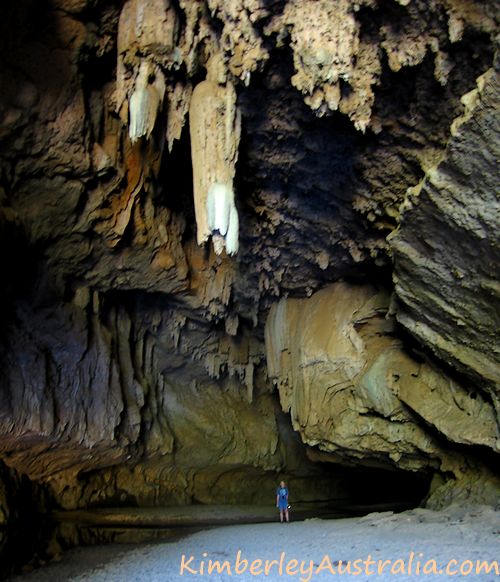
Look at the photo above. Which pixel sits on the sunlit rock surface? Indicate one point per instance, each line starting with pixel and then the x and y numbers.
pixel 354 391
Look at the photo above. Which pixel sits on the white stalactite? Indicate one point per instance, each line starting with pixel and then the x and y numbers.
pixel 215 136
pixel 232 243
pixel 146 46
pixel 223 217
pixel 145 102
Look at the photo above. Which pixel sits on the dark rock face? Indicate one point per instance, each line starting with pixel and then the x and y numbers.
pixel 133 364
pixel 447 249
pixel 23 529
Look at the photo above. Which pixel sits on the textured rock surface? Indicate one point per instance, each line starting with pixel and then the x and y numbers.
pixel 111 392
pixel 132 358
pixel 447 250
pixel 352 390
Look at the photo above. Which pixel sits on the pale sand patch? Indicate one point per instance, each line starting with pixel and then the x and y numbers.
pixel 456 534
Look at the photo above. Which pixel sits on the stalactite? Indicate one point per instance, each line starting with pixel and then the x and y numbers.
pixel 145 101
pixel 326 49
pixel 215 135
pixel 147 33
pixel 223 218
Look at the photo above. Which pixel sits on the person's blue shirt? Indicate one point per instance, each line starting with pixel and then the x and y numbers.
pixel 282 494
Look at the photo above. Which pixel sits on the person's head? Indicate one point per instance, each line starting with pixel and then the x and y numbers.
pixel 282 484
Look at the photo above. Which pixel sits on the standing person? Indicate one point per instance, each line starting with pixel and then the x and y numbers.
pixel 282 501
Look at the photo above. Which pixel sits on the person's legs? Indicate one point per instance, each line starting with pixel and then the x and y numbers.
pixel 281 515
pixel 287 515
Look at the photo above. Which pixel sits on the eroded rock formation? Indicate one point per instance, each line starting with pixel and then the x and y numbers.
pixel 355 392
pixel 297 135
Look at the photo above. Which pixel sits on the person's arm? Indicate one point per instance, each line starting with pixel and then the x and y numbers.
pixel 277 498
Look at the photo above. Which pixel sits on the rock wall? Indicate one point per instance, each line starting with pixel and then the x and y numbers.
pixel 91 386
pixel 356 393
pixel 296 136
pixel 446 250
pixel 23 529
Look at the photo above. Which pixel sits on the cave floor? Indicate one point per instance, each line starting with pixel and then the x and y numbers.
pixel 417 543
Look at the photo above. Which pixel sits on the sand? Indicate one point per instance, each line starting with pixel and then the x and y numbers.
pixel 418 545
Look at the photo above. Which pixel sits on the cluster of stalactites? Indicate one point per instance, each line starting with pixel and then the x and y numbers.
pixel 337 67
pixel 147 51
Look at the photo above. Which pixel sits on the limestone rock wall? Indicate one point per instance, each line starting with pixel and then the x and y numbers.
pixel 354 391
pixel 446 251
pixel 96 385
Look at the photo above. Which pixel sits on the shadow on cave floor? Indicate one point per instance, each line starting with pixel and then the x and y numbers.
pixel 115 527
pixel 364 491
pixel 143 525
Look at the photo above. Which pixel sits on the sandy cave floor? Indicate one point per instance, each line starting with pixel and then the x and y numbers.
pixel 428 539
